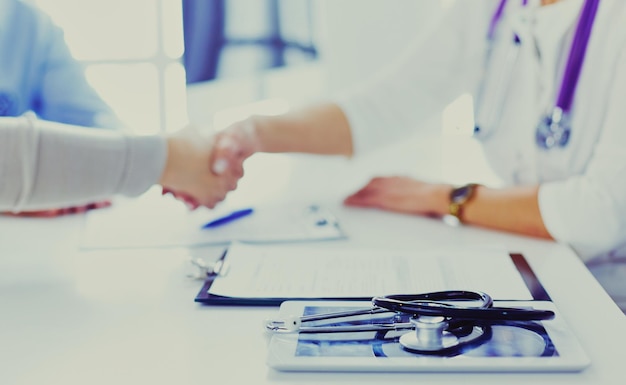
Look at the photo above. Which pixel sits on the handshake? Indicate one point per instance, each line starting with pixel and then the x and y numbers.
pixel 201 170
pixel 198 169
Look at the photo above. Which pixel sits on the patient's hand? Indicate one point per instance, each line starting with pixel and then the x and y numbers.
pixel 187 174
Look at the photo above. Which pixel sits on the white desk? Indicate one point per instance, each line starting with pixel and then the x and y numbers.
pixel 128 316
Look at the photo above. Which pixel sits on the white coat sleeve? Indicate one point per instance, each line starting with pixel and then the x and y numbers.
pixel 438 66
pixel 589 211
pixel 48 165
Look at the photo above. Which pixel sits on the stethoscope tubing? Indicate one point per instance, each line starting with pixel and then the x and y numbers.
pixel 577 55
pixel 435 304
pixel 374 327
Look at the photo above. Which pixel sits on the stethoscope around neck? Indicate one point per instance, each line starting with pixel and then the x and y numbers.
pixel 554 129
pixel 435 319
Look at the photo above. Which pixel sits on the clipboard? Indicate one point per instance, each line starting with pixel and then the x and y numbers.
pixel 204 296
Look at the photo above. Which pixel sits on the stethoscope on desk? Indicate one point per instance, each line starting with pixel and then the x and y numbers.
pixel 441 322
pixel 554 129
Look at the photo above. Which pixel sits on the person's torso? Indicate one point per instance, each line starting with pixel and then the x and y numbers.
pixel 21 45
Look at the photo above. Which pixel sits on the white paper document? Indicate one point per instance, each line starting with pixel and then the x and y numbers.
pixel 148 223
pixel 300 272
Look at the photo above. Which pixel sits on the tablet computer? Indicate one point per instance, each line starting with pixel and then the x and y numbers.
pixel 537 346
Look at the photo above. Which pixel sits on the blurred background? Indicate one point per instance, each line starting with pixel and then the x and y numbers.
pixel 151 58
pixel 163 63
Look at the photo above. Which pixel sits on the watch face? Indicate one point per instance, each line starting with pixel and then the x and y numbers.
pixel 460 194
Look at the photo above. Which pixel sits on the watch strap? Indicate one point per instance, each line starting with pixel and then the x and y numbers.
pixel 459 197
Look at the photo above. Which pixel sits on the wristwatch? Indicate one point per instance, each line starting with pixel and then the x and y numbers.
pixel 459 196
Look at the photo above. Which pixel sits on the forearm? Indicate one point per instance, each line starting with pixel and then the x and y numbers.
pixel 513 209
pixel 46 165
pixel 317 129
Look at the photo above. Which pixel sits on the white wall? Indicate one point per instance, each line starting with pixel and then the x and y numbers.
pixel 357 37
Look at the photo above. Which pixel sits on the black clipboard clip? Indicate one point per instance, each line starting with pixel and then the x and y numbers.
pixel 205 270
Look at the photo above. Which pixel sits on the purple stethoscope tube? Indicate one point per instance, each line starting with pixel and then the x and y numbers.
pixel 554 129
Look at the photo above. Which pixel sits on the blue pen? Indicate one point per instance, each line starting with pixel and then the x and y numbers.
pixel 228 218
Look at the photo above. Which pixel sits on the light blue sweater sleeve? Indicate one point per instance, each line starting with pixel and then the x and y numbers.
pixel 39 74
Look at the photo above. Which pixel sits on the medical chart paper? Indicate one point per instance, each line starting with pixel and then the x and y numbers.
pixel 304 272
pixel 168 223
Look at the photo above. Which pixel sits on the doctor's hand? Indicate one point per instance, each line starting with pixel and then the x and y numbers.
pixel 187 174
pixel 233 146
pixel 403 195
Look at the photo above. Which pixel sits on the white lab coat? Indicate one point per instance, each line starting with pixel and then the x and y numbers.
pixel 582 197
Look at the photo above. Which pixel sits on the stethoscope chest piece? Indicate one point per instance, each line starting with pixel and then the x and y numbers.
pixel 431 336
pixel 553 130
